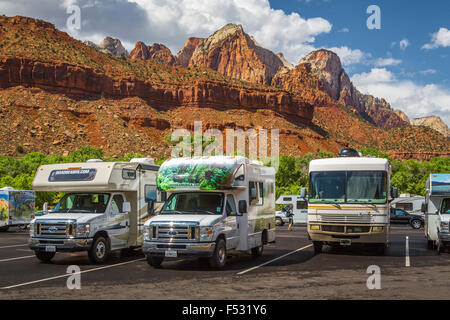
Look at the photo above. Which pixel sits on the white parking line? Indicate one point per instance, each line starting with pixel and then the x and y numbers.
pixel 70 274
pixel 407 262
pixel 17 258
pixel 13 246
pixel 278 258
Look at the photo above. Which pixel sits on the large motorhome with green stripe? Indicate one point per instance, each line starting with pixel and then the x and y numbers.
pixel 348 201
pixel 215 205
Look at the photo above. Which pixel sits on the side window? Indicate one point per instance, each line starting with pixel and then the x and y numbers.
pixel 407 206
pixel 230 207
pixel 117 204
pixel 261 193
pixel 256 193
pixel 150 192
pixel 301 205
pixel 445 206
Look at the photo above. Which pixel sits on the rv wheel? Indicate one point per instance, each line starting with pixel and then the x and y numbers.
pixel 258 251
pixel 155 261
pixel 99 251
pixel 45 256
pixel 317 247
pixel 279 221
pixel 4 229
pixel 219 257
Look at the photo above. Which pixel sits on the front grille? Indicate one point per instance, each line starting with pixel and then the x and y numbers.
pixel 171 246
pixel 54 229
pixel 333 228
pixel 173 232
pixel 341 218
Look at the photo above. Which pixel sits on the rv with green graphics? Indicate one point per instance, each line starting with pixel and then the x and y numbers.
pixel 215 205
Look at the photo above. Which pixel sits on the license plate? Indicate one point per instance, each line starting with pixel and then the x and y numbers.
pixel 50 248
pixel 346 242
pixel 171 254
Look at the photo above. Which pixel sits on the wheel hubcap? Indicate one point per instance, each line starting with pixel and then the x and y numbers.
pixel 100 250
pixel 416 224
pixel 221 255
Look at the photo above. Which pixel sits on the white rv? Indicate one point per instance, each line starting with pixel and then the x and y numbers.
pixel 104 208
pixel 299 208
pixel 215 205
pixel 411 204
pixel 348 201
pixel 437 211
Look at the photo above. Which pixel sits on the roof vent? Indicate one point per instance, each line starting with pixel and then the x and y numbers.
pixel 349 152
pixel 94 160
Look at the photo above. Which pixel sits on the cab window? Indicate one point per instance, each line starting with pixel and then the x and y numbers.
pixel 445 208
pixel 117 204
pixel 230 206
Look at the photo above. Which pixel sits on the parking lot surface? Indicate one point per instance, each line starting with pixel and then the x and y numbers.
pixel 288 269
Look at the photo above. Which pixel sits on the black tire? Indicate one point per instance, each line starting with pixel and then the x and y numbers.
pixel 4 229
pixel 416 224
pixel 430 244
pixel 318 245
pixel 219 257
pixel 258 251
pixel 279 222
pixel 439 247
pixel 45 257
pixel 99 251
pixel 155 261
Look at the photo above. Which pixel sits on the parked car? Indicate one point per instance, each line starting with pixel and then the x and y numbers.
pixel 281 217
pixel 400 216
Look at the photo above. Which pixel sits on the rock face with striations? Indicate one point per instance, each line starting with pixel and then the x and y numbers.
pixel 110 46
pixel 433 122
pixel 327 66
pixel 156 52
pixel 233 53
pixel 184 56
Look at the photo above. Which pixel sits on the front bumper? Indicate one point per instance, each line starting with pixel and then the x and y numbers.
pixel 61 245
pixel 444 236
pixel 184 249
pixel 336 237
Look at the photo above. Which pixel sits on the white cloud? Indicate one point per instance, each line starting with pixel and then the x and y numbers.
pixel 385 62
pixel 350 56
pixel 404 43
pixel 344 30
pixel 415 100
pixel 172 21
pixel 428 71
pixel 439 39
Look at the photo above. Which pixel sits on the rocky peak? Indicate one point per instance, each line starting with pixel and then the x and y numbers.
pixel 156 52
pixel 402 115
pixel 111 46
pixel 286 63
pixel 327 67
pixel 233 53
pixel 184 55
pixel 433 122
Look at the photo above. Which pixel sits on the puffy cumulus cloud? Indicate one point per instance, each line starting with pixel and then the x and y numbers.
pixel 439 39
pixel 415 100
pixel 350 56
pixel 384 62
pixel 404 43
pixel 172 21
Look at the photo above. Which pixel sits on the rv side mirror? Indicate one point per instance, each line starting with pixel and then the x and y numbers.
pixel 242 206
pixel 150 207
pixel 45 208
pixel 394 193
pixel 126 207
pixel 303 193
pixel 240 178
pixel 423 208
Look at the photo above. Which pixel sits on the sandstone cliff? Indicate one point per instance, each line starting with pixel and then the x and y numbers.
pixel 110 46
pixel 233 53
pixel 156 52
pixel 184 56
pixel 432 122
pixel 327 66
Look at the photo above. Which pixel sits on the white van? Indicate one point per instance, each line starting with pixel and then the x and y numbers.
pixel 299 206
pixel 437 210
pixel 215 205
pixel 104 208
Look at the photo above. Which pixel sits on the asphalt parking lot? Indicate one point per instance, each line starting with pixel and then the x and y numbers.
pixel 287 270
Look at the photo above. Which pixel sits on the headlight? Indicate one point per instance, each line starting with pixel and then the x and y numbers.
pixel 314 227
pixel 147 233
pixel 377 229
pixel 444 225
pixel 83 229
pixel 206 233
pixel 32 229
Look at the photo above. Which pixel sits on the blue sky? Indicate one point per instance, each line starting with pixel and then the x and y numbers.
pixel 406 61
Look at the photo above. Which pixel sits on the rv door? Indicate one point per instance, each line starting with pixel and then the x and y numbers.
pixel 119 222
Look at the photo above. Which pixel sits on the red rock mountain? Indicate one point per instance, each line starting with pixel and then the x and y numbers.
pixel 184 56
pixel 433 122
pixel 156 52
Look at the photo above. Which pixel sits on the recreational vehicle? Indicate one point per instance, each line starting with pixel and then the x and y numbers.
pixel 348 201
pixel 437 211
pixel 16 208
pixel 299 208
pixel 104 207
pixel 411 204
pixel 215 205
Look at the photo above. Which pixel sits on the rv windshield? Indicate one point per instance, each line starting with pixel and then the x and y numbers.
pixel 82 203
pixel 348 186
pixel 194 203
